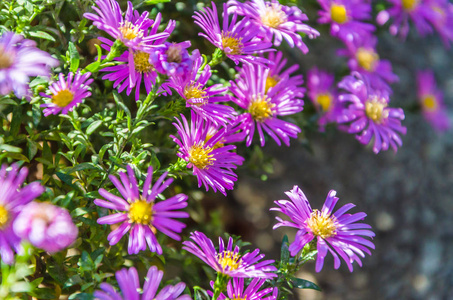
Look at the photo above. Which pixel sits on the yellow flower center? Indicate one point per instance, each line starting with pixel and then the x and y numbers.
pixel 230 41
pixel 409 4
pixel 6 59
pixel 174 53
pixel 219 144
pixel 3 216
pixel 63 98
pixel 429 103
pixel 338 13
pixel 141 212
pixel 194 91
pixel 130 31
pixel 201 157
pixel 141 62
pixel 227 259
pixel 320 225
pixel 261 109
pixel 367 59
pixel 271 81
pixel 375 109
pixel 325 101
pixel 273 15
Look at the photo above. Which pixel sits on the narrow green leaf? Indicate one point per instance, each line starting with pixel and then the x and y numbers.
pixel 304 284
pixel 41 35
pixel 74 57
pixel 93 126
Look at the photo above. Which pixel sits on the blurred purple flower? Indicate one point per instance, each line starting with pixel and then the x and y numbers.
pixel 235 290
pixel 12 201
pixel 65 95
pixel 135 31
pixel 129 284
pixel 142 215
pixel 323 95
pixel 262 108
pixel 276 21
pixel 20 59
pixel 338 233
pixel 201 99
pixel 431 101
pixel 443 20
pixel 172 59
pixel 346 19
pixel 236 39
pixel 211 161
pixel 46 226
pixel 228 261
pixel 419 12
pixel 368 115
pixel 364 59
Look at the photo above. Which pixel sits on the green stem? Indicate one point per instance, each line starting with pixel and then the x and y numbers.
pixel 217 57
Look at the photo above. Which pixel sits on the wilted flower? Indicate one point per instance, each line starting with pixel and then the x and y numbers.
pixel 235 290
pixel 431 101
pixel 323 95
pixel 20 59
pixel 236 39
pixel 346 19
pixel 276 21
pixel 210 159
pixel 142 215
pixel 364 59
pixel 135 31
pixel 130 287
pixel 229 261
pixel 67 94
pixel 201 99
pixel 12 201
pixel 339 233
pixel 262 108
pixel 368 116
pixel 45 226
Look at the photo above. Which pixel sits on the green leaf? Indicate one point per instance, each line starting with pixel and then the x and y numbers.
pixel 93 126
pixel 74 57
pixel 81 296
pixel 285 250
pixel 120 103
pixel 94 66
pixel 156 1
pixel 79 167
pixel 304 284
pixel 41 35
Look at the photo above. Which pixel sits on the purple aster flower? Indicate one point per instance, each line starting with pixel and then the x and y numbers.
pixel 346 18
pixel 443 21
pixel 339 233
pixel 431 101
pixel 263 108
pixel 133 30
pixel 323 95
pixel 368 116
pixel 235 290
pixel 276 21
pixel 173 59
pixel 12 202
pixel 200 98
pixel 236 39
pixel 211 161
pixel 229 261
pixel 419 12
pixel 135 67
pixel 142 215
pixel 129 284
pixel 46 226
pixel 20 59
pixel 67 94
pixel 364 59
pixel 277 74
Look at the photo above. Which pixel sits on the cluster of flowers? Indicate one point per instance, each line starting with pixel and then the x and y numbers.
pixel 263 90
pixel 42 224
